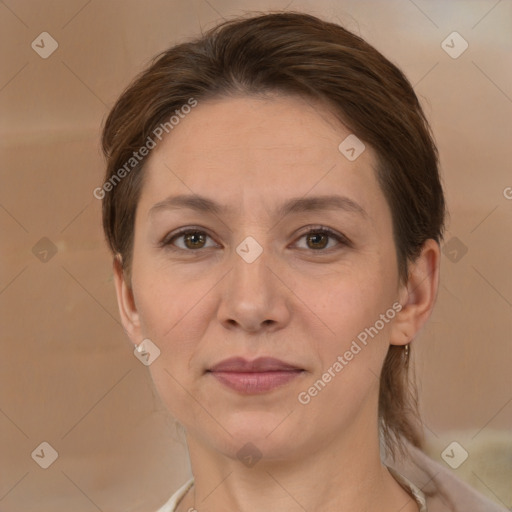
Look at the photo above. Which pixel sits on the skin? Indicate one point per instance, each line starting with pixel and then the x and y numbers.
pixel 300 301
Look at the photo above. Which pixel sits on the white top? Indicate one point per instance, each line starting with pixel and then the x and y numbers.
pixel 170 506
pixel 417 494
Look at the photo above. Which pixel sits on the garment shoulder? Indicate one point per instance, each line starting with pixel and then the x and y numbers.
pixel 444 491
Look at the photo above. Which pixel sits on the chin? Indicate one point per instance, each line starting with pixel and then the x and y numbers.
pixel 272 434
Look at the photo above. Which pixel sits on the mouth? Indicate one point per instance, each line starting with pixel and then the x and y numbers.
pixel 254 377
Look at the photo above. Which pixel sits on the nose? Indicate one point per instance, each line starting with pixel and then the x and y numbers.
pixel 254 295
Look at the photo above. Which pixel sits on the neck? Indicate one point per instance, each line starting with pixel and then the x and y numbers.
pixel 344 474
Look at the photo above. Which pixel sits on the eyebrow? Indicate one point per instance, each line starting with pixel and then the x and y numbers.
pixel 294 205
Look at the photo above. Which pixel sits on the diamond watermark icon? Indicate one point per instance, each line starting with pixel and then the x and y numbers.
pixel 45 455
pixel 146 352
pixel 44 250
pixel 454 455
pixel 454 45
pixel 351 147
pixel 249 455
pixel 249 249
pixel 454 249
pixel 44 45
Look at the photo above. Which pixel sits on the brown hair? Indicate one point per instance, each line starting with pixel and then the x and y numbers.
pixel 298 54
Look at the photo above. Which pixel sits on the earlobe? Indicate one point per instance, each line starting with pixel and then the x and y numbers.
pixel 418 295
pixel 126 302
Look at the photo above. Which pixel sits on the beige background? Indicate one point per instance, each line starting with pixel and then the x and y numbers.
pixel 68 374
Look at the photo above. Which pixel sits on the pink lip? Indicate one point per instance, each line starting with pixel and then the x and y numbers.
pixel 262 364
pixel 252 377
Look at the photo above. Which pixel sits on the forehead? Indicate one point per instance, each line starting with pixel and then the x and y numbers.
pixel 286 127
pixel 265 149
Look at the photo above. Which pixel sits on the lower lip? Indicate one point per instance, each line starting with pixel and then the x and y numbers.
pixel 250 383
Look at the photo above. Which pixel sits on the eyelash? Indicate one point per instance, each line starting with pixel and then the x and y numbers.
pixel 167 241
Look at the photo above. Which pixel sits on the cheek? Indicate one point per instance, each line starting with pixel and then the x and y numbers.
pixel 166 306
pixel 169 313
pixel 351 306
pixel 350 360
pixel 163 299
pixel 351 299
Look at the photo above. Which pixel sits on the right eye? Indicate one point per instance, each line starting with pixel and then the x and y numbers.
pixel 194 239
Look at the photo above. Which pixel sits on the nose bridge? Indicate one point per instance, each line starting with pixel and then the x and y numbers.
pixel 254 248
pixel 251 260
pixel 253 295
pixel 254 253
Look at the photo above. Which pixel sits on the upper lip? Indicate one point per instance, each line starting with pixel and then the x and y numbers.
pixel 261 364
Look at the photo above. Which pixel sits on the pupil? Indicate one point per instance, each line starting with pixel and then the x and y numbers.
pixel 315 238
pixel 192 237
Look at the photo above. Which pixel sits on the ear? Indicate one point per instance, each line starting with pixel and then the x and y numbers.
pixel 126 302
pixel 418 295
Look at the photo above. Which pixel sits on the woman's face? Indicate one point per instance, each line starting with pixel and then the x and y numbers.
pixel 254 284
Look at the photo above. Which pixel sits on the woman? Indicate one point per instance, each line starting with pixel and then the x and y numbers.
pixel 274 206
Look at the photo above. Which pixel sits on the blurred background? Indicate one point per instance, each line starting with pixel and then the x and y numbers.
pixel 68 375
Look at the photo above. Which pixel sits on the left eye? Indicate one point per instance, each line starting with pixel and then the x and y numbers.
pixel 194 239
pixel 320 238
